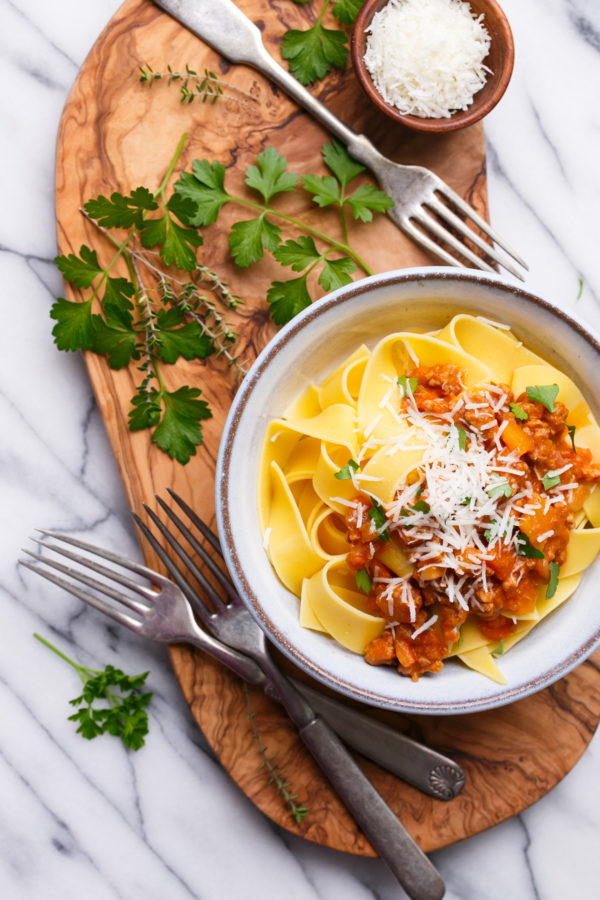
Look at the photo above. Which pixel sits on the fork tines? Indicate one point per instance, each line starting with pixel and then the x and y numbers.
pixel 121 603
pixel 220 590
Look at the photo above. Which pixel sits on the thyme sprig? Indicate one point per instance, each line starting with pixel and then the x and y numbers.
pixel 154 316
pixel 206 87
pixel 277 776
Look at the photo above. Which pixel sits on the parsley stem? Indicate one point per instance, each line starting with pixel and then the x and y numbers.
pixel 323 11
pixel 345 248
pixel 80 669
pixel 171 165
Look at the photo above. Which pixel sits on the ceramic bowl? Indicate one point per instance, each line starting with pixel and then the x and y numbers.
pixel 306 350
pixel 500 60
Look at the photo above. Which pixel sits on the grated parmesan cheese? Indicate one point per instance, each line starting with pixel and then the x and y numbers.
pixel 426 56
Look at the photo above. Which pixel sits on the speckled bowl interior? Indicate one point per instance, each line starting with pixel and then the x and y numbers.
pixel 308 349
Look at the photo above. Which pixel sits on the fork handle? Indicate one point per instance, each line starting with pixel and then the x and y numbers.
pixel 385 831
pixel 226 28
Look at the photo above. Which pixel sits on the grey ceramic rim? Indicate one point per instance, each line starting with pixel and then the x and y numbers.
pixel 243 586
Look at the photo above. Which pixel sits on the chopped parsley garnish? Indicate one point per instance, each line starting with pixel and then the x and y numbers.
pixel 526 548
pixel 545 394
pixel 518 412
pixel 501 488
pixel 572 429
pixel 421 506
pixel 407 385
pixel 499 649
pixel 462 437
pixel 550 480
pixel 553 582
pixel 345 473
pixel 377 516
pixel 363 581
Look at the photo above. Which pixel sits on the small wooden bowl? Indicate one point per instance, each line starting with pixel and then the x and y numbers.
pixel 500 60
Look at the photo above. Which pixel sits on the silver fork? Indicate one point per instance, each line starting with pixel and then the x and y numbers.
pixel 425 207
pixel 167 616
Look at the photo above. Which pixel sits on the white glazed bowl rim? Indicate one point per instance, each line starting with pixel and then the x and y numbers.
pixel 244 553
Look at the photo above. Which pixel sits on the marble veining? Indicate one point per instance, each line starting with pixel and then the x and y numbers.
pixel 86 818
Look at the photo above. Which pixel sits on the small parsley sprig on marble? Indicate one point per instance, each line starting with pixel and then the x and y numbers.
pixel 311 53
pixel 249 239
pixel 156 315
pixel 111 702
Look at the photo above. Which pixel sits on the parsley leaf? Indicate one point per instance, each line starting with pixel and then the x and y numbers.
pixel 325 189
pixel 572 429
pixel 120 211
pixel 553 581
pixel 180 432
pixel 346 11
pixel 177 337
pixel 526 548
pixel 75 327
pixel 518 412
pixel 500 489
pixel 205 187
pixel 123 712
pixel 287 299
pixel 363 581
pixel 550 480
pixel 338 160
pixel 298 254
pixel 80 270
pixel 421 506
pixel 366 200
pixel 462 438
pixel 336 273
pixel 545 394
pixel 249 239
pixel 407 385
pixel 313 52
pixel 377 516
pixel 270 176
pixel 345 473
pixel 499 649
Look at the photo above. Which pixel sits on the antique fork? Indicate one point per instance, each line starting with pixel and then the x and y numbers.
pixel 167 616
pixel 168 620
pixel 425 207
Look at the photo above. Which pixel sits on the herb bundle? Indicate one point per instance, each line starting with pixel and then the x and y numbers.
pixel 152 317
pixel 249 239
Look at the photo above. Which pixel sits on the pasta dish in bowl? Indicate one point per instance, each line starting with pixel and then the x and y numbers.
pixel 425 491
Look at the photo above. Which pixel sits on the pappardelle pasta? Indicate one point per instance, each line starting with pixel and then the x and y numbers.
pixel 435 497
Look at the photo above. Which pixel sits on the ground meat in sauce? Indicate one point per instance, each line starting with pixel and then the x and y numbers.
pixel 513 581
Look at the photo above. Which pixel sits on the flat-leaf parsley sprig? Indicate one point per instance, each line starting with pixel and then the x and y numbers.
pixel 249 239
pixel 312 52
pixel 110 703
pixel 153 317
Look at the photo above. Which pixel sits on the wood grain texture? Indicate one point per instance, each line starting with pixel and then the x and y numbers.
pixel 116 134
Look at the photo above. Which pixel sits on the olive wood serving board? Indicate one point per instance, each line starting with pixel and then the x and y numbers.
pixel 116 134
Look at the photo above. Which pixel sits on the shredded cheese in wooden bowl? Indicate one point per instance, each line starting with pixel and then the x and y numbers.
pixel 426 57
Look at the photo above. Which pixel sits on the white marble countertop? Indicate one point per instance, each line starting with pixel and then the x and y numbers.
pixel 87 818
